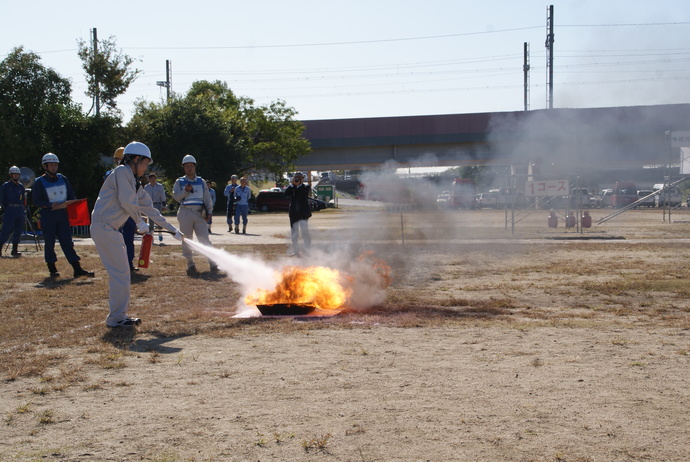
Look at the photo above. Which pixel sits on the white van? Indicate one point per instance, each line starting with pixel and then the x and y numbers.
pixel 671 195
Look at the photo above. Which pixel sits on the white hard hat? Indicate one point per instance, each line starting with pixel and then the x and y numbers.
pixel 15 169
pixel 188 158
pixel 50 157
pixel 136 148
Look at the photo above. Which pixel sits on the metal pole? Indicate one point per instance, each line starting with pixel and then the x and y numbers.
pixel 525 70
pixel 95 76
pixel 402 230
pixel 549 60
pixel 167 79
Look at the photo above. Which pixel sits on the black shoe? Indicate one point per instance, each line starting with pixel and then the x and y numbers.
pixel 127 322
pixel 15 251
pixel 54 273
pixel 82 272
pixel 191 271
pixel 79 271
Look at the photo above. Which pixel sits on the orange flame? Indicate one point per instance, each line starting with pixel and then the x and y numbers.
pixel 316 285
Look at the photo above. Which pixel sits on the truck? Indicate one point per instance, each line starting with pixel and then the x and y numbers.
pixel 670 196
pixel 624 194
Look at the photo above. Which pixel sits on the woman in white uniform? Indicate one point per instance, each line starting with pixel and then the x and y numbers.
pixel 121 197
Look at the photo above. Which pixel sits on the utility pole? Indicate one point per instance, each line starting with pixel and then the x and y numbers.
pixel 525 70
pixel 97 98
pixel 167 83
pixel 549 59
pixel 168 87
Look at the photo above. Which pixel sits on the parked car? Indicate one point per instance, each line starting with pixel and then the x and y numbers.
pixel 580 197
pixel 649 201
pixel 443 200
pixel 606 195
pixel 268 200
pixel 488 199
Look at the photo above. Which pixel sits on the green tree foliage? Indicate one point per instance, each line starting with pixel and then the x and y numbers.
pixel 483 175
pixel 38 116
pixel 108 72
pixel 28 92
pixel 225 133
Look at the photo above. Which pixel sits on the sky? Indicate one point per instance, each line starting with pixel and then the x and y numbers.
pixel 374 58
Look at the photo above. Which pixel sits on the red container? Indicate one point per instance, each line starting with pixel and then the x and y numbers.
pixel 586 220
pixel 553 220
pixel 145 253
pixel 570 220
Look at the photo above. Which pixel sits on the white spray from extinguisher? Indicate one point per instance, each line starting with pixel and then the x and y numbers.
pixel 250 273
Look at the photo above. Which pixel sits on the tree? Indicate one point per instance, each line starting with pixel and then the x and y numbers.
pixel 483 175
pixel 108 72
pixel 225 133
pixel 27 90
pixel 38 116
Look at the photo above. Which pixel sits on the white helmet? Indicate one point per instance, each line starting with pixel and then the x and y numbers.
pixel 136 148
pixel 188 158
pixel 15 169
pixel 50 157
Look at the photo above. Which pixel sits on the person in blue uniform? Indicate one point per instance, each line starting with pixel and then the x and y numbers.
pixel 229 192
pixel 51 193
pixel 242 196
pixel 12 196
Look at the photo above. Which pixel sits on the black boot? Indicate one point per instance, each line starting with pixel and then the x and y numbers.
pixel 53 270
pixel 15 250
pixel 79 271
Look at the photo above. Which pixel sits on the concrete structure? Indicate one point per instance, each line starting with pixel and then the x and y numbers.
pixel 552 139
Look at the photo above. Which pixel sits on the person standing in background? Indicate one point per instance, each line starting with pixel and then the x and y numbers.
pixel 157 193
pixel 12 201
pixel 195 207
pixel 51 192
pixel 299 212
pixel 230 194
pixel 212 192
pixel 242 195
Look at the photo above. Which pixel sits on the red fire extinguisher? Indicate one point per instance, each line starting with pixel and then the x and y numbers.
pixel 145 253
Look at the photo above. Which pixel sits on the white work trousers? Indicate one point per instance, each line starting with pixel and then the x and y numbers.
pixel 192 222
pixel 111 249
pixel 303 227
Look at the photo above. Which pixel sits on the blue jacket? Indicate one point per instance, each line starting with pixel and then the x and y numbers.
pixel 47 190
pixel 12 194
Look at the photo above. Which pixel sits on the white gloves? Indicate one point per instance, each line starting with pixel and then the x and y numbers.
pixel 178 235
pixel 143 227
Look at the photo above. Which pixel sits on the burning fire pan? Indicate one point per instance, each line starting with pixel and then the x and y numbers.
pixel 285 309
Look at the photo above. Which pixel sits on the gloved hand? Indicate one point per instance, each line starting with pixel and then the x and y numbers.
pixel 143 227
pixel 178 235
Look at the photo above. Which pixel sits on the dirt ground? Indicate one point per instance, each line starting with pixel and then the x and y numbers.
pixel 534 345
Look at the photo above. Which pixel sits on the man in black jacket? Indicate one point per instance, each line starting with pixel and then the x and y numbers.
pixel 299 212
